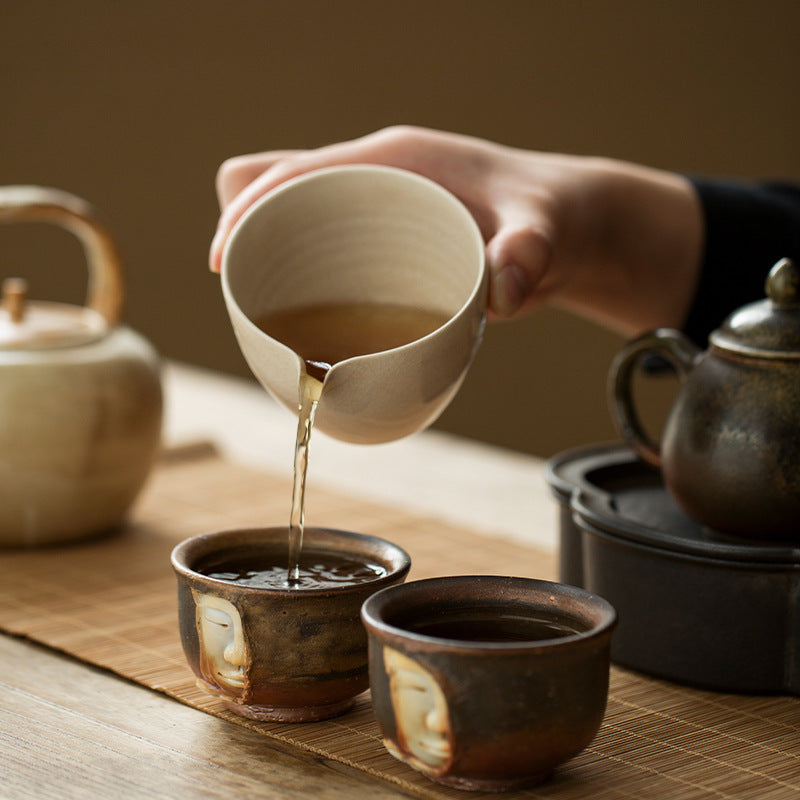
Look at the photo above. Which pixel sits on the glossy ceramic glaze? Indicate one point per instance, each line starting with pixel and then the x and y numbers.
pixel 361 234
pixel 80 394
pixel 731 445
pixel 487 715
pixel 289 655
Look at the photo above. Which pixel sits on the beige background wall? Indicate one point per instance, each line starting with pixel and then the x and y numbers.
pixel 132 105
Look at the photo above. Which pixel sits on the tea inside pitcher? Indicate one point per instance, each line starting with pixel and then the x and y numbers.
pixel 323 335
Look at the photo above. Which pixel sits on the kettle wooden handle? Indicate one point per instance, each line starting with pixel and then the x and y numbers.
pixel 105 292
pixel 681 353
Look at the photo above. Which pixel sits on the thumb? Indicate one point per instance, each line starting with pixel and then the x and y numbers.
pixel 518 259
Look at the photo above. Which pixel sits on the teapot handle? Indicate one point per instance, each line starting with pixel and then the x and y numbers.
pixel 681 353
pixel 105 291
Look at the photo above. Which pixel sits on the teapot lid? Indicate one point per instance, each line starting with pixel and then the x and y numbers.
pixel 36 326
pixel 768 328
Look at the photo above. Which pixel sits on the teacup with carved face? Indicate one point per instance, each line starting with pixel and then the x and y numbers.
pixel 484 682
pixel 280 652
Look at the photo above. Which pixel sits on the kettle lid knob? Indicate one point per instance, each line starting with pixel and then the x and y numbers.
pixel 15 295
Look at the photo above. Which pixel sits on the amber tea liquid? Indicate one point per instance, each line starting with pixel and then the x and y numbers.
pixel 315 571
pixel 481 625
pixel 323 335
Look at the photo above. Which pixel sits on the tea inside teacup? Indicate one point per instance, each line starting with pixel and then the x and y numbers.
pixel 316 570
pixel 494 624
pixel 271 649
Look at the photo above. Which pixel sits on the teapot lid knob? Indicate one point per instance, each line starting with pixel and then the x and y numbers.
pixel 783 283
pixel 15 295
pixel 768 328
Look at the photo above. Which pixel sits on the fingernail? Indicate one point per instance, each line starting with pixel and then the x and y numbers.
pixel 508 290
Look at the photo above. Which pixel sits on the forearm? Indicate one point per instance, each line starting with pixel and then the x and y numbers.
pixel 671 251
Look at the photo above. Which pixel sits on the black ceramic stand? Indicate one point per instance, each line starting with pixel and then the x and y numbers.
pixel 694 606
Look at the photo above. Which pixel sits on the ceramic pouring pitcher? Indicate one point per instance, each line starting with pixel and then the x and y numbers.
pixel 730 451
pixel 359 234
pixel 80 394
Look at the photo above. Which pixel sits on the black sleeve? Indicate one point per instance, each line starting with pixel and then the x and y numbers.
pixel 748 227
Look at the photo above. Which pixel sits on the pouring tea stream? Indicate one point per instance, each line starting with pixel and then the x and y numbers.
pixel 360 244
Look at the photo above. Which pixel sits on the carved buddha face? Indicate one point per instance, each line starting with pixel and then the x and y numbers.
pixel 420 710
pixel 223 652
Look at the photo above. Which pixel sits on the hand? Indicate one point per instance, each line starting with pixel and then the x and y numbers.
pixel 612 241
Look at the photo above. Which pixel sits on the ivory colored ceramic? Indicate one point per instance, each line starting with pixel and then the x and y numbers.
pixel 282 654
pixel 488 683
pixel 80 394
pixel 355 234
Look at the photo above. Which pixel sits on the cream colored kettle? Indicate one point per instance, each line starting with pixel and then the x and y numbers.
pixel 80 394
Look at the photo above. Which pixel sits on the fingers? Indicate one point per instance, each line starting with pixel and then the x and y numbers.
pixel 238 172
pixel 519 258
pixel 519 249
pixel 241 183
pixel 234 178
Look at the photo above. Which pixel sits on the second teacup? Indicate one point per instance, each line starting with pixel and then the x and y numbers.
pixel 488 683
pixel 281 652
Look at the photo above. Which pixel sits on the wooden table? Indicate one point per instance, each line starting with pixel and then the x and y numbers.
pixel 69 730
pixel 72 730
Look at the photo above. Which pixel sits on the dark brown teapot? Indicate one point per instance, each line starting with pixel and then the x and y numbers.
pixel 730 450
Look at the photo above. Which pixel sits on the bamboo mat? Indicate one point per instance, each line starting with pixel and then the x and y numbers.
pixel 111 602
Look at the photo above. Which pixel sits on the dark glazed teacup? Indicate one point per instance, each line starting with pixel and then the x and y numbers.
pixel 283 654
pixel 488 683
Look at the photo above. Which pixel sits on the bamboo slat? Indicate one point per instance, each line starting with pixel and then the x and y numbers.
pixel 111 602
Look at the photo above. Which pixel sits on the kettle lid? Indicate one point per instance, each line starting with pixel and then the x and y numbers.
pixel 28 325
pixel 768 328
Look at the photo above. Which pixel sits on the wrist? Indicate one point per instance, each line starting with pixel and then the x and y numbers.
pixel 640 247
